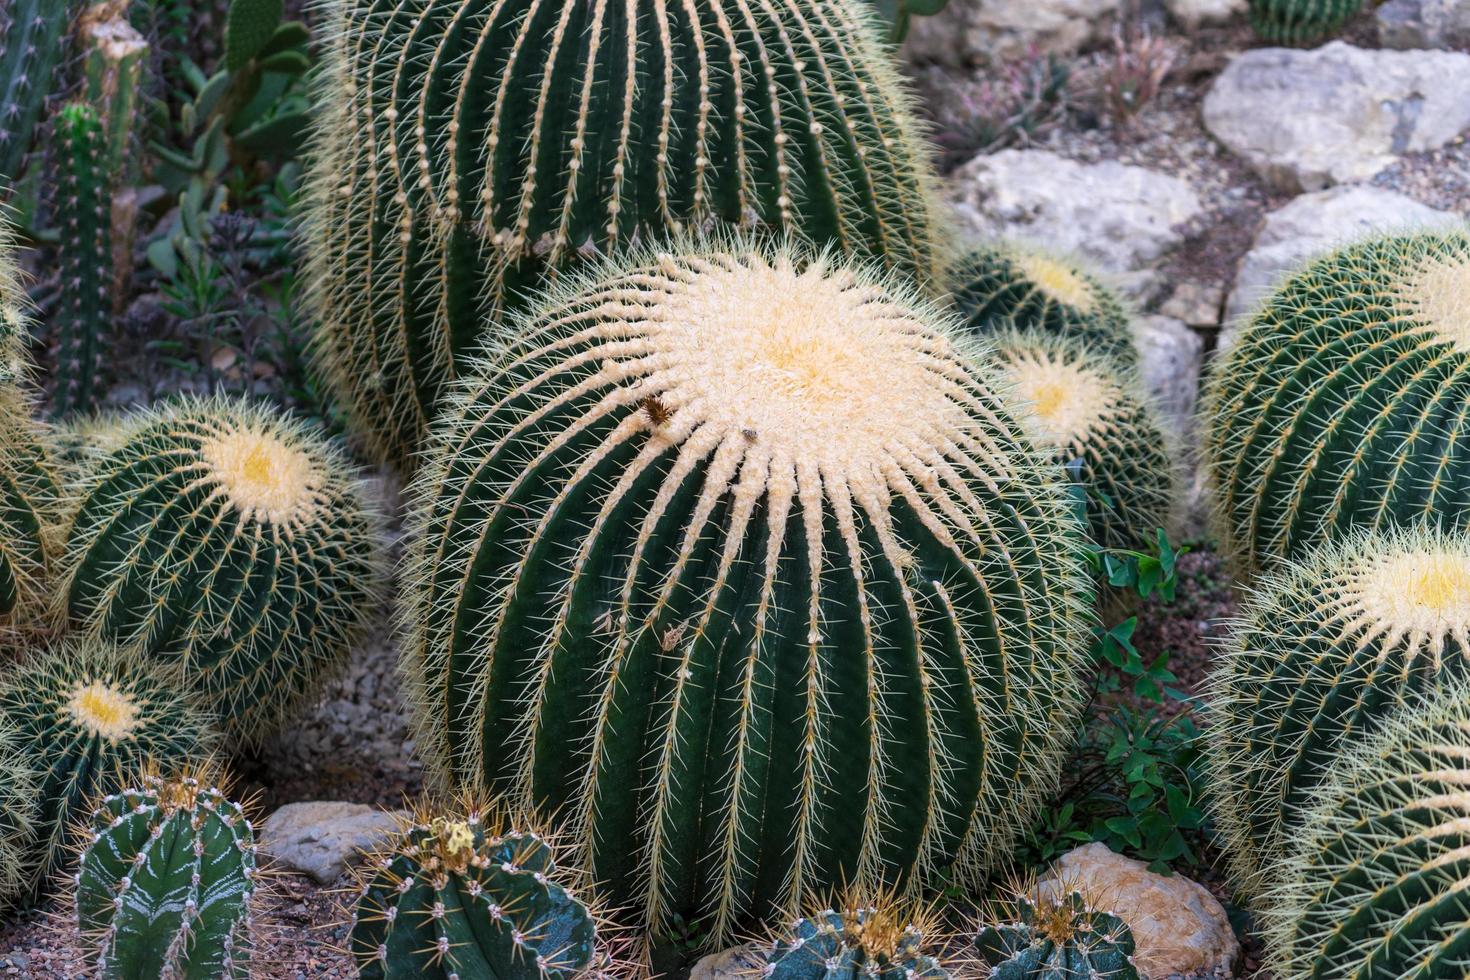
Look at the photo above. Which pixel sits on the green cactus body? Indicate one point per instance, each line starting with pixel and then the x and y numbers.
pixel 165 882
pixel 1001 287
pixel 1300 21
pixel 1346 402
pixel 1090 412
pixel 224 537
pixel 1374 884
pixel 20 780
pixel 1058 939
pixel 33 37
pixel 1323 650
pixel 858 942
pixel 84 314
pixel 699 544
pixel 467 148
pixel 457 896
pixel 91 717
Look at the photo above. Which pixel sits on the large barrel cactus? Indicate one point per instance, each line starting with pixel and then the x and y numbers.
pixel 466 148
pixel 1346 401
pixel 33 41
pixel 737 560
pixel 223 536
pixel 1374 884
pixel 20 779
pixel 1300 21
pixel 29 498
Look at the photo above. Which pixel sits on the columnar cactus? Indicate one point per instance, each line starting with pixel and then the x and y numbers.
pixel 1346 401
pixel 460 892
pixel 879 940
pixel 20 779
pixel 84 217
pixel 1090 412
pixel 467 148
pixel 165 882
pixel 1323 650
pixel 1058 937
pixel 91 717
pixel 1374 884
pixel 998 287
pixel 1300 21
pixel 737 560
pixel 232 540
pixel 32 42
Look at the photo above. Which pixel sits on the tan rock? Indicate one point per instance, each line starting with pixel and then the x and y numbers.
pixel 736 963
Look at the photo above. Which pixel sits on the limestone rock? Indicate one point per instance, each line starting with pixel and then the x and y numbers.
pixel 737 963
pixel 1193 13
pixel 1408 24
pixel 975 32
pixel 1308 119
pixel 321 839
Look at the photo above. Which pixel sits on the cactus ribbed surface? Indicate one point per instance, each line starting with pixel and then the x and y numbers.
pixel 20 780
pixel 84 218
pixel 33 37
pixel 1322 651
pixel 233 540
pixel 466 148
pixel 1058 937
pixel 1300 21
pixel 165 882
pixel 1374 885
pixel 91 719
pixel 462 893
pixel 862 941
pixel 1089 410
pixel 1346 401
pixel 999 287
pixel 701 542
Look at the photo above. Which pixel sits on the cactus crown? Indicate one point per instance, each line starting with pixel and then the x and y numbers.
pixel 878 936
pixel 1056 932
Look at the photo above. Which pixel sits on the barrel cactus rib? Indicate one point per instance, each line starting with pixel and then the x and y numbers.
pixel 690 571
pixel 1057 933
pixel 882 938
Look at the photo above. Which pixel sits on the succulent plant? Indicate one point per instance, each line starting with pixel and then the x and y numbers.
pixel 883 939
pixel 29 507
pixel 84 313
pixel 229 539
pixel 462 891
pixel 1004 286
pixel 1373 885
pixel 165 881
pixel 1300 21
pixel 1346 401
pixel 91 718
pixel 1059 936
pixel 20 780
pixel 1323 650
pixel 1089 411
pixel 468 148
pixel 701 541
pixel 32 44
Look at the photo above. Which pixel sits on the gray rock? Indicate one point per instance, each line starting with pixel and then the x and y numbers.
pixel 976 32
pixel 1171 360
pixel 1193 13
pixel 1195 303
pixel 1408 24
pixel 1308 119
pixel 737 963
pixel 321 839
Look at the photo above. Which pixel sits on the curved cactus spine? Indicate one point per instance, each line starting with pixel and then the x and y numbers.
pixel 33 35
pixel 1346 402
pixel 1057 937
pixel 467 148
pixel 1004 286
pixel 1322 651
pixel 1089 411
pixel 463 891
pixel 230 539
pixel 1300 21
pixel 84 216
pixel 699 542
pixel 20 780
pixel 882 939
pixel 165 882
pixel 1373 884
pixel 91 718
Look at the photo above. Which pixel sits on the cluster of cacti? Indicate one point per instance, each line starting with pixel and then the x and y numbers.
pixel 84 311
pixel 32 45
pixel 226 538
pixel 1344 401
pixel 737 560
pixel 1057 935
pixel 20 779
pixel 1089 411
pixel 463 892
pixel 1300 21
pixel 466 149
pixel 878 940
pixel 165 881
pixel 1001 286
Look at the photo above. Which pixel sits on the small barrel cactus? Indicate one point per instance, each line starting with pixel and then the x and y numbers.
pixel 1322 651
pixel 1373 885
pixel 91 718
pixel 165 882
pixel 33 38
pixel 20 781
pixel 1057 936
pixel 467 148
pixel 1090 412
pixel 461 893
pixel 884 939
pixel 1300 21
pixel 84 218
pixel 1001 286
pixel 225 537
pixel 737 560
pixel 1346 401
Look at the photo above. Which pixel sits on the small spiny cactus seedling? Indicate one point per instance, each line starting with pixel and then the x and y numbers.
pixel 467 148
pixel 463 891
pixel 1057 935
pixel 699 545
pixel 1090 412
pixel 165 881
pixel 84 217
pixel 33 36
pixel 1373 885
pixel 230 539
pixel 20 781
pixel 882 939
pixel 998 287
pixel 1346 401
pixel 91 718
pixel 1322 651
pixel 1300 21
